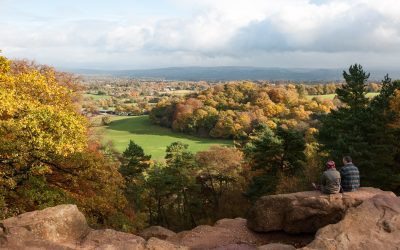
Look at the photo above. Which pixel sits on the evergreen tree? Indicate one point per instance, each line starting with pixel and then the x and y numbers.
pixel 353 92
pixel 343 130
pixel 273 153
pixel 360 128
pixel 383 139
pixel 134 163
pixel 181 166
pixel 134 160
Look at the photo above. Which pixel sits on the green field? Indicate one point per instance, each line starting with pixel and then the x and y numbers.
pixel 331 96
pixel 97 97
pixel 154 139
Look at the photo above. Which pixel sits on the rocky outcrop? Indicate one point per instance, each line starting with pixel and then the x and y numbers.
pixel 305 211
pixel 233 234
pixel 371 221
pixel 157 232
pixel 64 227
pixel 375 224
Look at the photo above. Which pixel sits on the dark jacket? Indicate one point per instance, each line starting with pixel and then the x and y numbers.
pixel 350 177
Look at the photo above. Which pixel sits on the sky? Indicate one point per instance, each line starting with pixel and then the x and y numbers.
pixel 133 34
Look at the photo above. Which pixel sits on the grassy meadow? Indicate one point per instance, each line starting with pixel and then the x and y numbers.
pixel 331 96
pixel 152 138
pixel 97 97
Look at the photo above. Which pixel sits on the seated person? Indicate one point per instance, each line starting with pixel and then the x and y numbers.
pixel 330 183
pixel 350 175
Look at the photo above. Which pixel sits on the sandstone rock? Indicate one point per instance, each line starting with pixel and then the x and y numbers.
pixel 157 232
pixel 203 237
pixel 60 228
pixel 375 224
pixel 232 233
pixel 277 246
pixel 305 211
pixel 63 225
pixel 236 247
pixel 157 244
pixel 15 243
pixel 111 239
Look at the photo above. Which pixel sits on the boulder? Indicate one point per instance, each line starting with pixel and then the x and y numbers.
pixel 111 239
pixel 375 224
pixel 158 244
pixel 157 232
pixel 305 211
pixel 62 225
pixel 14 243
pixel 233 234
pixel 236 247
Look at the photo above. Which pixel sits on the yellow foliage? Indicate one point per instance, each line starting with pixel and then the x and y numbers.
pixel 38 120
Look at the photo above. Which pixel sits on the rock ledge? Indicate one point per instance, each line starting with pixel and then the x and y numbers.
pixel 305 212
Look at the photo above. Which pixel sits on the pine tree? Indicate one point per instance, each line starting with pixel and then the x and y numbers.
pixel 353 92
pixel 273 153
pixel 360 128
pixel 134 160
pixel 383 139
pixel 134 164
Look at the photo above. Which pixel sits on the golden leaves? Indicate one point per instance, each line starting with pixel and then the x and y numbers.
pixel 37 116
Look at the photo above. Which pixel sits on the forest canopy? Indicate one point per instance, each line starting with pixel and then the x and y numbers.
pixel 233 110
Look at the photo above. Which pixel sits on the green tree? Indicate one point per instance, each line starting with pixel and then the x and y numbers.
pixel 361 128
pixel 134 160
pixel 272 154
pixel 343 130
pixel 181 164
pixel 134 163
pixel 383 140
pixel 353 92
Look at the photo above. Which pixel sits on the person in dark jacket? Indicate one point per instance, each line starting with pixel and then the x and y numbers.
pixel 330 182
pixel 350 175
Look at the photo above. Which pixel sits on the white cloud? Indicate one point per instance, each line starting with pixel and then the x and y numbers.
pixel 223 32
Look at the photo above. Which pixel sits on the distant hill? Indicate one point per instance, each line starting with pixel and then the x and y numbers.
pixel 235 73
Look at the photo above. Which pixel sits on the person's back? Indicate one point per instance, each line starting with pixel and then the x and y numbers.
pixel 350 175
pixel 331 181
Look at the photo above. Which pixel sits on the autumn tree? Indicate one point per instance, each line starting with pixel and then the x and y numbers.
pixel 232 110
pixel 46 158
pixel 38 124
pixel 220 176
